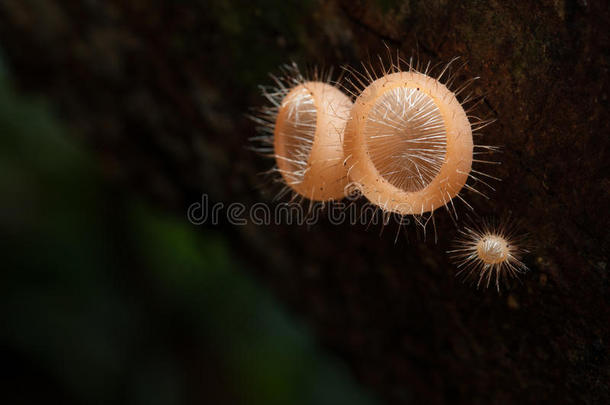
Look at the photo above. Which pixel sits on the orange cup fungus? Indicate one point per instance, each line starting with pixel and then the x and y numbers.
pixel 304 129
pixel 408 143
pixel 489 252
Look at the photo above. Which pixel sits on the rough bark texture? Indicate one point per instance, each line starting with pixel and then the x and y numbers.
pixel 160 93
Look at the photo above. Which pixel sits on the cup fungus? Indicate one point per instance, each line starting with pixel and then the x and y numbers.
pixel 489 251
pixel 303 131
pixel 408 142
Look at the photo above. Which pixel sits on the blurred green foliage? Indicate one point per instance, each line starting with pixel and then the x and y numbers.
pixel 107 300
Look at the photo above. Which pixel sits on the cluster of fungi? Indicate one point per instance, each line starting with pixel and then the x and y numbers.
pixel 397 134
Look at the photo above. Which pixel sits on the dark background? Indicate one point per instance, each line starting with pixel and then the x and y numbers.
pixel 115 116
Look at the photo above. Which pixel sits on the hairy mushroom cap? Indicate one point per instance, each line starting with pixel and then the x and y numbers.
pixel 308 140
pixel 408 143
pixel 489 251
